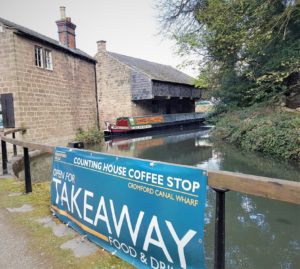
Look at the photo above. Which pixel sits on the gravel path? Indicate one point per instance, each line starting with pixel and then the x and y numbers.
pixel 14 250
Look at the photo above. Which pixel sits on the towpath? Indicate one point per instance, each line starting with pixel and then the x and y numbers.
pixel 15 252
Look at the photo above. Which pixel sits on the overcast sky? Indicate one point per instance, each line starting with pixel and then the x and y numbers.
pixel 130 27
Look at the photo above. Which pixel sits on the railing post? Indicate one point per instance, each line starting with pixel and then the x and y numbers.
pixel 4 157
pixel 219 256
pixel 28 186
pixel 14 146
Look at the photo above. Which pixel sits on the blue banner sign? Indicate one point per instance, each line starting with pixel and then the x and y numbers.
pixel 149 213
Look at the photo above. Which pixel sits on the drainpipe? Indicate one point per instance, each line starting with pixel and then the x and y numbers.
pixel 96 96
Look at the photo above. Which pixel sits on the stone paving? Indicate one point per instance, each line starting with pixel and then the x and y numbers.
pixel 18 242
pixel 14 251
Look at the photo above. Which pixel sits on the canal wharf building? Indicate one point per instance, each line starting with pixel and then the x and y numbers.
pixel 140 87
pixel 52 88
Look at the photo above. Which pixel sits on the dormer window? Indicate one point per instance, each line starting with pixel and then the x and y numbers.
pixel 43 58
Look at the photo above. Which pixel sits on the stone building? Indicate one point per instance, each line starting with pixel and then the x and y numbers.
pixel 129 86
pixel 52 84
pixel 52 88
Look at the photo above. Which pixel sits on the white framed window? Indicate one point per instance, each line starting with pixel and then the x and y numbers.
pixel 48 59
pixel 38 53
pixel 43 58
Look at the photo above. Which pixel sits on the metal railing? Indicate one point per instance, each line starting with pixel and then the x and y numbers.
pixel 219 181
pixel 26 159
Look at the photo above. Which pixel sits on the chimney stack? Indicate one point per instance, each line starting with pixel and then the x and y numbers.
pixel 66 30
pixel 101 45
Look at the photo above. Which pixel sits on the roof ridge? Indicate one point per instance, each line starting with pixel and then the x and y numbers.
pixel 26 28
pixel 143 60
pixel 44 38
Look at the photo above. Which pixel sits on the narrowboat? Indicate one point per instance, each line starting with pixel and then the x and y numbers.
pixel 130 125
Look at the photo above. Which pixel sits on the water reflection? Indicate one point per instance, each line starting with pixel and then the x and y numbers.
pixel 180 147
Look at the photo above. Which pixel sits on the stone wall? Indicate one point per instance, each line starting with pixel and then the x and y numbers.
pixel 51 104
pixel 114 88
pixel 8 72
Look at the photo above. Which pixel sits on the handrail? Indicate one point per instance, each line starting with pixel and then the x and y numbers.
pixel 272 188
pixel 14 130
pixel 30 145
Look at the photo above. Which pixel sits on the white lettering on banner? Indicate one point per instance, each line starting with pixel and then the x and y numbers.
pixel 73 201
pixel 64 196
pixel 155 264
pixel 153 229
pixel 103 217
pixel 177 184
pixel 125 213
pixel 181 243
pixel 57 181
pixel 114 169
pixel 126 249
pixel 87 163
pixel 87 206
pixel 70 177
pixel 146 177
pixel 184 184
pixel 57 173
pixel 153 226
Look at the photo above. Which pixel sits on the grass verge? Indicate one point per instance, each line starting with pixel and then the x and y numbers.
pixel 41 239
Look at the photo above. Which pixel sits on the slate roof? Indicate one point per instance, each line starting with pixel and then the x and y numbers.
pixel 35 35
pixel 153 70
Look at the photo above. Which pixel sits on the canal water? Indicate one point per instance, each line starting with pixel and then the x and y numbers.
pixel 260 233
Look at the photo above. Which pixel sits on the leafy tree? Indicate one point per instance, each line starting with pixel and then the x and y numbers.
pixel 248 50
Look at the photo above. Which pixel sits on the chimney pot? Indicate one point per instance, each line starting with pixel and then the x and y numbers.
pixel 101 44
pixel 62 13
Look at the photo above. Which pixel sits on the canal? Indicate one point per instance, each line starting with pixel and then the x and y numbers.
pixel 260 233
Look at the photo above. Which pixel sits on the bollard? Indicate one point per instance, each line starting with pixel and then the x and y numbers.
pixel 14 146
pixel 219 256
pixel 76 144
pixel 28 186
pixel 4 157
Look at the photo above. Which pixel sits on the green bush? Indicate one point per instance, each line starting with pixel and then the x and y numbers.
pixel 90 136
pixel 264 129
